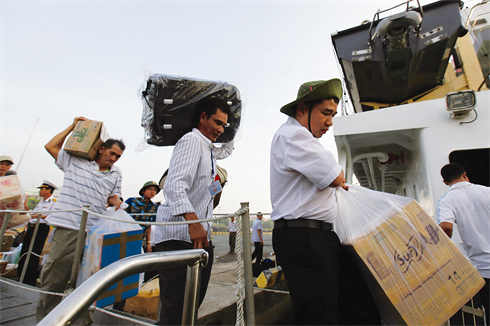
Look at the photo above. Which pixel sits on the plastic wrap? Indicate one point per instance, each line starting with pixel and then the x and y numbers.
pixel 106 242
pixel 415 272
pixel 169 103
pixel 12 197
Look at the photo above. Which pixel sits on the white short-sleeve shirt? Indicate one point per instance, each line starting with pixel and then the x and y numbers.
pixel 301 170
pixel 257 225
pixel 43 205
pixel 468 205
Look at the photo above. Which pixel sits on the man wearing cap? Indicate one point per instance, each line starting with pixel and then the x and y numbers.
pixel 86 183
pixel 144 204
pixel 189 188
pixel 304 177
pixel 6 163
pixel 45 204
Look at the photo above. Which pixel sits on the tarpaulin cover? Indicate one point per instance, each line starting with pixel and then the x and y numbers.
pixel 169 103
pixel 415 272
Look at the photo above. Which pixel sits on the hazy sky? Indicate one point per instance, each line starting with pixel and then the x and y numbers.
pixel 62 59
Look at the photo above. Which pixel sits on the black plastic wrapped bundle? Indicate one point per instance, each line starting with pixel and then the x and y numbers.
pixel 169 103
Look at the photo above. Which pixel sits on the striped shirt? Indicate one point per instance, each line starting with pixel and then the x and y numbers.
pixel 83 184
pixel 192 170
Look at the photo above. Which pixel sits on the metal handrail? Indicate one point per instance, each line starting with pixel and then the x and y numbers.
pixel 372 37
pixel 471 12
pixel 87 293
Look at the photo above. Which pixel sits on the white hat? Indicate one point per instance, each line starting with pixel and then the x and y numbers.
pixel 47 184
pixel 6 158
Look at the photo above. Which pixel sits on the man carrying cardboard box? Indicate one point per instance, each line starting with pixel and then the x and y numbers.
pixel 6 163
pixel 468 205
pixel 92 183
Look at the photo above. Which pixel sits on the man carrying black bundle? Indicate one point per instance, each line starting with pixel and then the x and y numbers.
pixel 189 188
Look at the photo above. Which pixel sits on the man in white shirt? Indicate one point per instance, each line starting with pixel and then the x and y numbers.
pixel 45 204
pixel 232 237
pixel 189 188
pixel 93 183
pixel 257 239
pixel 304 177
pixel 468 205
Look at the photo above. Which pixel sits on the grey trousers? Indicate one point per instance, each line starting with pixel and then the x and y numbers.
pixel 56 272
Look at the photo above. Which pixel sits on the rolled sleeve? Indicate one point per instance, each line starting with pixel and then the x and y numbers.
pixel 445 213
pixel 224 151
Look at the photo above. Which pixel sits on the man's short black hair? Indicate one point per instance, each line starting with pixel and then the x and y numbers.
pixel 51 189
pixel 109 142
pixel 451 172
pixel 311 104
pixel 209 105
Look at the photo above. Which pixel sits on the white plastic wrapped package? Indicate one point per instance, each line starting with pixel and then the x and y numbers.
pixel 415 272
pixel 106 242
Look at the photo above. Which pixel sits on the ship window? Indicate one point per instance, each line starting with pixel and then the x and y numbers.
pixel 476 163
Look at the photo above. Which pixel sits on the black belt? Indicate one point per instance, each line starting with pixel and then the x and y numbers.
pixel 303 223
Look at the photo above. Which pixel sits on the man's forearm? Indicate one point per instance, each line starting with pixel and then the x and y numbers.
pixel 56 143
pixel 114 201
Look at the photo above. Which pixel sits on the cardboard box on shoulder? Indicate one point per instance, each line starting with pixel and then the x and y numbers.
pixel 86 139
pixel 415 272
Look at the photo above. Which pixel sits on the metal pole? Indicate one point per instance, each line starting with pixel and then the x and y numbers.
pixel 84 295
pixel 31 245
pixel 25 148
pixel 6 220
pixel 79 248
pixel 191 298
pixel 247 262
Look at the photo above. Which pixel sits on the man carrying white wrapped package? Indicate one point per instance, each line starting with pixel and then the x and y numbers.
pixel 92 183
pixel 304 177
pixel 468 205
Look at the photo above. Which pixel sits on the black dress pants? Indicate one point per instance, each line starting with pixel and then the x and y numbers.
pixel 172 283
pixel 310 260
pixel 32 271
pixel 258 252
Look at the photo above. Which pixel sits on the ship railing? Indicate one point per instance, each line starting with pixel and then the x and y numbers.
pixel 377 18
pixel 88 292
pixel 471 13
pixel 245 313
